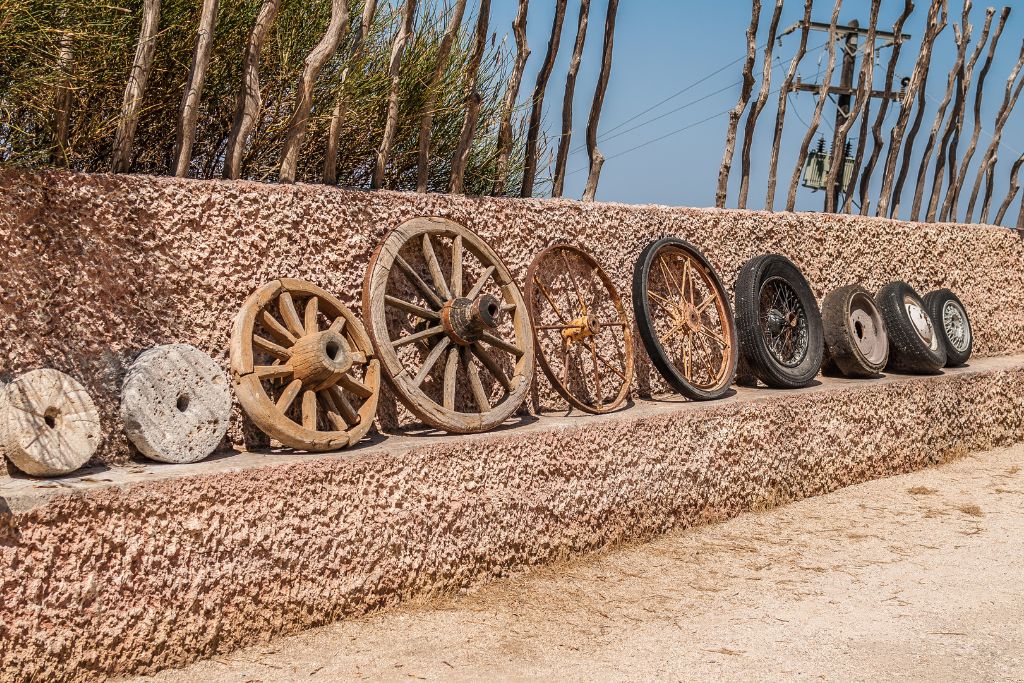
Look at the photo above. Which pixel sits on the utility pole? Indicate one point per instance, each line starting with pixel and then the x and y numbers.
pixel 845 91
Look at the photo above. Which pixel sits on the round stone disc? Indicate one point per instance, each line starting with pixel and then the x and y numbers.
pixel 175 404
pixel 48 423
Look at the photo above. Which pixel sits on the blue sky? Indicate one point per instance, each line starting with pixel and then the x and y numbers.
pixel 663 46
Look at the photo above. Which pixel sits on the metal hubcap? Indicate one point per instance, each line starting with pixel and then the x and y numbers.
pixel 958 329
pixel 783 323
pixel 921 322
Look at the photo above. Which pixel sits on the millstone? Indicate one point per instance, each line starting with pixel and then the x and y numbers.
pixel 48 423
pixel 175 404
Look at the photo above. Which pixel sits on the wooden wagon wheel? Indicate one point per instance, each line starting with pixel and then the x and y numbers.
pixel 307 379
pixel 449 325
pixel 584 339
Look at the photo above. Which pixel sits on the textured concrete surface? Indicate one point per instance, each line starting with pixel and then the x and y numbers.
pixel 911 578
pixel 134 576
pixel 99 267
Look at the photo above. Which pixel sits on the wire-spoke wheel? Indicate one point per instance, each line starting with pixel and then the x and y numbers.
pixel 583 337
pixel 952 325
pixel 779 323
pixel 684 319
pixel 449 325
pixel 303 367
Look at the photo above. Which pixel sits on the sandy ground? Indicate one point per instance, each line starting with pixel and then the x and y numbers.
pixel 918 577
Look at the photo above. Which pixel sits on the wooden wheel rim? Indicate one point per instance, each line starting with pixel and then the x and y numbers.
pixel 535 282
pixel 695 334
pixel 407 384
pixel 345 397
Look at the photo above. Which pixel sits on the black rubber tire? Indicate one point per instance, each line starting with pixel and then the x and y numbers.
pixel 645 326
pixel 841 335
pixel 935 302
pixel 908 351
pixel 753 345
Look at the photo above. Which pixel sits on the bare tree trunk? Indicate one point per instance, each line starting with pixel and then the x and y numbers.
pixel 338 115
pixel 62 102
pixel 780 116
pixel 1020 217
pixel 1012 192
pixel 536 113
pixel 951 138
pixel 865 84
pixel 923 67
pixel 596 158
pixel 951 205
pixel 249 100
pixel 989 159
pixel 136 88
pixel 189 110
pixel 558 185
pixel 473 101
pixel 394 72
pixel 878 142
pixel 313 65
pixel 444 50
pixel 917 80
pixel 822 99
pixel 722 193
pixel 759 104
pixel 962 38
pixel 511 95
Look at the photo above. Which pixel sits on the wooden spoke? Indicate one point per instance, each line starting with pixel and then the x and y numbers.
pixel 286 306
pixel 508 308
pixel 434 267
pixel 266 372
pixel 310 324
pixel 457 266
pixel 431 360
pixel 344 406
pixel 309 409
pixel 479 285
pixel 483 404
pixel 354 386
pixel 278 331
pixel 451 371
pixel 416 336
pixel 550 300
pixel 492 365
pixel 333 415
pixel 263 344
pixel 408 307
pixel 288 397
pixel 338 325
pixel 502 344
pixel 428 293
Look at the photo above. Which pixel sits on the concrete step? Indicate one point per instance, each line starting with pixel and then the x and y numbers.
pixel 132 570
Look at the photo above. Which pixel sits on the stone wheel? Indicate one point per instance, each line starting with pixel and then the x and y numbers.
pixel 49 425
pixel 584 339
pixel 308 380
pixel 449 325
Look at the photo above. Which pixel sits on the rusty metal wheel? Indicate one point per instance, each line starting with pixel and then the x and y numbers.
pixel 308 380
pixel 684 319
pixel 449 325
pixel 584 340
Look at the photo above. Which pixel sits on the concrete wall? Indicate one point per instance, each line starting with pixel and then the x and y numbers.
pixel 97 268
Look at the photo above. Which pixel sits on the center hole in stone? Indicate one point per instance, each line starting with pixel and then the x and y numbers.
pixel 182 403
pixel 51 417
pixel 859 329
pixel 333 350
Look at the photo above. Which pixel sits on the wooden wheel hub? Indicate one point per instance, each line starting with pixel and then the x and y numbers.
pixel 466 320
pixel 319 360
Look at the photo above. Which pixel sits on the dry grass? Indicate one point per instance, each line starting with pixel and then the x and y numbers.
pixel 970 509
pixel 921 491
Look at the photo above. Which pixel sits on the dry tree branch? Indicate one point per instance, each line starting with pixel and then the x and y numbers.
pixel 734 116
pixel 536 113
pixel 511 95
pixel 189 111
pixel 473 101
pixel 562 158
pixel 596 158
pixel 1012 192
pixel 136 87
pixel 759 104
pixel 394 71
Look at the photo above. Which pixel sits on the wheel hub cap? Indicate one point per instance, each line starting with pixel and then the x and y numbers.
pixel 466 320
pixel 922 322
pixel 958 330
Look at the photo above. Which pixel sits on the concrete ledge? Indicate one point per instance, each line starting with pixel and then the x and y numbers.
pixel 161 566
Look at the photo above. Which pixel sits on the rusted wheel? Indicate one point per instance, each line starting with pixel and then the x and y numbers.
pixel 584 341
pixel 450 327
pixel 684 319
pixel 307 379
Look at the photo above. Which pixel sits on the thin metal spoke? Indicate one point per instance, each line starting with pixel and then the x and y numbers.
pixel 598 394
pixel 551 300
pixel 451 371
pixel 611 367
pixel 572 278
pixel 457 266
pixel 715 337
pixel 410 307
pixel 431 360
pixel 416 336
pixel 666 275
pixel 310 315
pixel 479 285
pixel 435 268
pixel 286 306
pixel 683 279
pixel 288 396
pixel 428 293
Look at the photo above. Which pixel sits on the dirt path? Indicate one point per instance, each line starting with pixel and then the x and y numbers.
pixel 919 577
